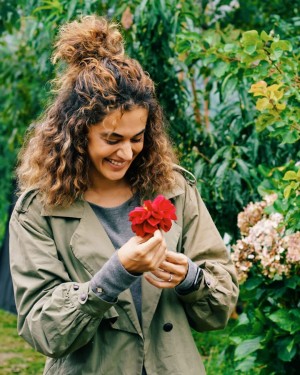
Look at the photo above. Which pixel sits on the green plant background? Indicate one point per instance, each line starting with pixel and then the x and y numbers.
pixel 204 56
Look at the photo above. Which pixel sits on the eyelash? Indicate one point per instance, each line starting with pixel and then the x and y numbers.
pixel 115 142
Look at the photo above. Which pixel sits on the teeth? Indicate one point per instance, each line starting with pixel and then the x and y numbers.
pixel 115 162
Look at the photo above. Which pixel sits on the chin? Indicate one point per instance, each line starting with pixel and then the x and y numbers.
pixel 115 177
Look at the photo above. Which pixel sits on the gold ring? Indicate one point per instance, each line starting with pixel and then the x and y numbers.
pixel 170 278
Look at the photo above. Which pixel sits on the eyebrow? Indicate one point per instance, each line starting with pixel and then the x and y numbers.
pixel 116 135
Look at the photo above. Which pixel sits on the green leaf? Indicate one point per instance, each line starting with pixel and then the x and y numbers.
pixel 291 136
pixel 247 364
pixel 221 170
pixel 293 282
pixel 286 348
pixel 243 319
pixel 250 49
pixel 251 41
pixel 247 347
pixel 282 319
pixel 287 191
pixel 230 48
pixel 71 9
pixel 212 37
pixel 252 283
pixel 290 175
pixel 243 167
pixel 265 37
pixel 264 120
pixel 250 36
pixel 229 85
pixel 276 54
pixel 281 45
pixel 221 68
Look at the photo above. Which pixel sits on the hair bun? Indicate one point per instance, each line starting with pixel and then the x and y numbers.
pixel 91 37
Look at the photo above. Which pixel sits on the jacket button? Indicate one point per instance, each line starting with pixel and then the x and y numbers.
pixel 75 286
pixel 168 327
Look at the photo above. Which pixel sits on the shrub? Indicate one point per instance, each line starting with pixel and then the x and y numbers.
pixel 267 259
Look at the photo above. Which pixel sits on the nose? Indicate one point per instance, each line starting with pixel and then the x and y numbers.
pixel 125 151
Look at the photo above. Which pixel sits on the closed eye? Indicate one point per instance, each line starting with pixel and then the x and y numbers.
pixel 137 140
pixel 110 142
pixel 114 142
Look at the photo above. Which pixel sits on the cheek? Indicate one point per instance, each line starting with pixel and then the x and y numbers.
pixel 138 147
pixel 137 151
pixel 98 149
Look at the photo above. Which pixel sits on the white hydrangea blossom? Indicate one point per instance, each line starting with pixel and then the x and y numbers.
pixel 264 243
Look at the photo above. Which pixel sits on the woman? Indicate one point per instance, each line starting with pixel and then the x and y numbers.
pixel 92 296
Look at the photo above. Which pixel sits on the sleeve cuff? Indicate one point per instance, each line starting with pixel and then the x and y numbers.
pixel 187 283
pixel 111 280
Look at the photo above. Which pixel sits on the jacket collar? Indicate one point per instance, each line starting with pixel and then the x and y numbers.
pixel 77 209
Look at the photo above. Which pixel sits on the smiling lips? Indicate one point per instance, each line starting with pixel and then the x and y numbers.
pixel 116 163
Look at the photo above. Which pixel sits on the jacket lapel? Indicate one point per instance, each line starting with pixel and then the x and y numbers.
pixel 90 243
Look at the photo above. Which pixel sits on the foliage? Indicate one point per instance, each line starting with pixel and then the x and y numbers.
pixel 267 257
pixel 267 260
pixel 267 336
pixel 216 351
pixel 279 106
pixel 233 62
pixel 284 182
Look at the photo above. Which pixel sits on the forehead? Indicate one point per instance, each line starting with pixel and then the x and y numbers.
pixel 123 123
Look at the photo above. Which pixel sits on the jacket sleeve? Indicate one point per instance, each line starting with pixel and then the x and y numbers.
pixel 55 315
pixel 210 306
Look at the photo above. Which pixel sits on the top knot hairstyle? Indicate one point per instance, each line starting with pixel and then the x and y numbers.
pixel 93 37
pixel 98 78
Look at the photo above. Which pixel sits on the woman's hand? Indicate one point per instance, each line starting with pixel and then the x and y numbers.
pixel 171 272
pixel 140 255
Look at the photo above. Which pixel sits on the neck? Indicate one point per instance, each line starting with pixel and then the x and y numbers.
pixel 109 193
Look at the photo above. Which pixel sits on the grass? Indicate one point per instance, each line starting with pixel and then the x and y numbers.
pixel 17 357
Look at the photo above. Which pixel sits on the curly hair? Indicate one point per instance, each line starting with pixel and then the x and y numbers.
pixel 98 79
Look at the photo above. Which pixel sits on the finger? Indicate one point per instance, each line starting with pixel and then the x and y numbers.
pixel 171 268
pixel 176 258
pixel 164 276
pixel 153 241
pixel 178 270
pixel 158 256
pixel 159 283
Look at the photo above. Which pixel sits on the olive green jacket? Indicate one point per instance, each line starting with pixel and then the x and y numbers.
pixel 55 253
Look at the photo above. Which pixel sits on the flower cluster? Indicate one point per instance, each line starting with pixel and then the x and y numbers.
pixel 152 216
pixel 264 244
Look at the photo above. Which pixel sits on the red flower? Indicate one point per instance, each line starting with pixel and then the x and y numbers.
pixel 152 216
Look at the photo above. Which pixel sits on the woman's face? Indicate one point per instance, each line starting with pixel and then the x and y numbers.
pixel 114 143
